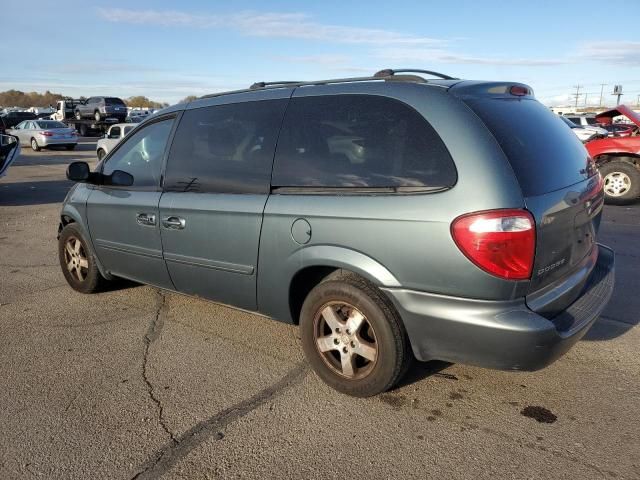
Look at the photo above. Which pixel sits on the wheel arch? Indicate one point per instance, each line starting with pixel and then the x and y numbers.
pixel 71 215
pixel 627 157
pixel 316 263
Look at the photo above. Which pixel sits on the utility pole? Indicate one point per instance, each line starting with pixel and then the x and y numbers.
pixel 602 85
pixel 585 99
pixel 638 101
pixel 577 94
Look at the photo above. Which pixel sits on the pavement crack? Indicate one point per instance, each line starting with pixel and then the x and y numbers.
pixel 153 332
pixel 164 459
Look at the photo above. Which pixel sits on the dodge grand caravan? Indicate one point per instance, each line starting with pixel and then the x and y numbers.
pixel 356 209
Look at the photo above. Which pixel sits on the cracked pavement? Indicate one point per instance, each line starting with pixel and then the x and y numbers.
pixel 141 383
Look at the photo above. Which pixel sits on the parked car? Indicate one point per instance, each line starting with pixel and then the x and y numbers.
pixel 582 133
pixel 9 151
pixel 584 120
pixel 618 158
pixel 45 133
pixel 115 133
pixel 11 119
pixel 355 209
pixel 100 108
pixel 588 122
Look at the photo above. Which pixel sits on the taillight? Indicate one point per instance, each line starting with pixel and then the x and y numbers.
pixel 47 134
pixel 519 91
pixel 500 242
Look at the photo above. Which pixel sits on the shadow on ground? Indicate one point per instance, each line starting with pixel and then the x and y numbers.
pixel 33 193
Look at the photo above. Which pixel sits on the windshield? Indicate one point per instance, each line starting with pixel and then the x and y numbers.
pixel 592 121
pixel 50 124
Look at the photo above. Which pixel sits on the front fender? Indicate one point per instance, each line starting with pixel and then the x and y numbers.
pixel 74 211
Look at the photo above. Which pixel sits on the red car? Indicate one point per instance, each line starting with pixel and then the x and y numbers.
pixel 618 158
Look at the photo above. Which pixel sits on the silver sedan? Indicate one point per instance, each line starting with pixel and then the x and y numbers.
pixel 45 133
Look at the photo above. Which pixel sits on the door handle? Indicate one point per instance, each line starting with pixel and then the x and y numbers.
pixel 146 219
pixel 174 223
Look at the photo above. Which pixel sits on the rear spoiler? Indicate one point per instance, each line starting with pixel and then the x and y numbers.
pixel 475 89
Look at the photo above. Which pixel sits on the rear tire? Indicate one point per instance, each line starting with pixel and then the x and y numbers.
pixel 352 336
pixel 34 145
pixel 621 182
pixel 77 261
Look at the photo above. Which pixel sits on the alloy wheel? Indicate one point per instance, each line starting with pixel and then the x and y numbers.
pixel 76 259
pixel 345 339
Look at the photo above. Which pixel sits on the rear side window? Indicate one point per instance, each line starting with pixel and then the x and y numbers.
pixel 544 154
pixel 359 141
pixel 225 148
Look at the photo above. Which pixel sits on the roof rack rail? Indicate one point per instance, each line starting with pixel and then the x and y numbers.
pixel 284 83
pixel 386 75
pixel 388 72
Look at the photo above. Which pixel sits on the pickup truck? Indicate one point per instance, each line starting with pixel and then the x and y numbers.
pixel 618 158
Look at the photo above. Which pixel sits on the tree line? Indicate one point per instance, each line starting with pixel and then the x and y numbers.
pixel 16 98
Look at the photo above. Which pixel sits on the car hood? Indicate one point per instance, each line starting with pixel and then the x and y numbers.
pixel 623 110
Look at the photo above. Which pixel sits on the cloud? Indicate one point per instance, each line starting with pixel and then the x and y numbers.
pixel 274 25
pixel 619 53
pixel 439 55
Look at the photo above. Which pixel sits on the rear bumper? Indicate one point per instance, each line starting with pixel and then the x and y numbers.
pixel 504 335
pixel 47 142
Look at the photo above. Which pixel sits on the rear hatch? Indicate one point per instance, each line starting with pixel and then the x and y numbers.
pixel 560 185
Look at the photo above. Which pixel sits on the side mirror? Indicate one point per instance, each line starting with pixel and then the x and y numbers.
pixel 120 178
pixel 78 171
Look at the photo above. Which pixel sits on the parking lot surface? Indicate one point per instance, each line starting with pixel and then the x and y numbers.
pixel 141 383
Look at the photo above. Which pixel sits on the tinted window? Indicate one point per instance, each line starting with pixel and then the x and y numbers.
pixel 141 154
pixel 545 156
pixel 225 148
pixel 114 132
pixel 575 120
pixel 113 101
pixel 591 121
pixel 359 141
pixel 127 129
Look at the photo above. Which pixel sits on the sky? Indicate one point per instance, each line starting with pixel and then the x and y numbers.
pixel 167 50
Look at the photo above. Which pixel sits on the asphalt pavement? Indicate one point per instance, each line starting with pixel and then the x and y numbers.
pixel 141 383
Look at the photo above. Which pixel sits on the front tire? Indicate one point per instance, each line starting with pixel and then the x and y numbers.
pixel 353 337
pixel 34 145
pixel 621 182
pixel 78 262
pixel 78 115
